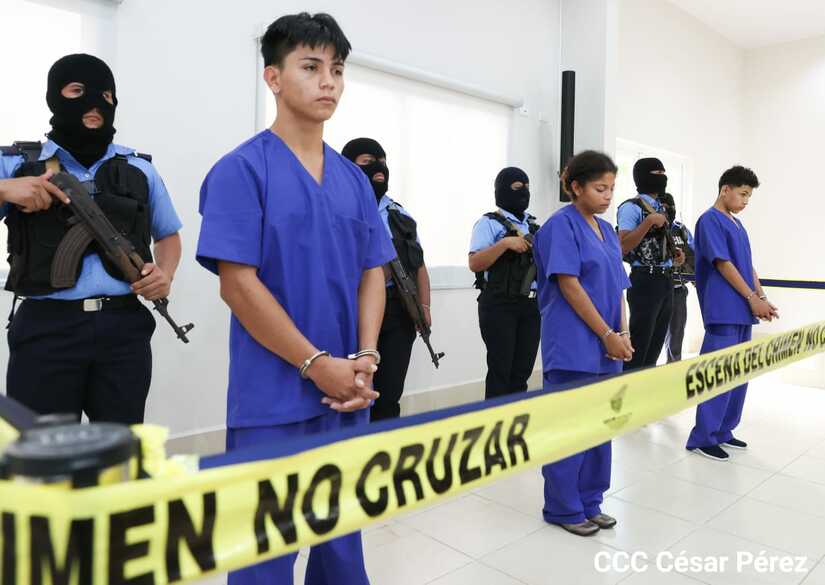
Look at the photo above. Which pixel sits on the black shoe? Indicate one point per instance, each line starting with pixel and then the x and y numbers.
pixel 736 444
pixel 603 521
pixel 716 452
pixel 586 528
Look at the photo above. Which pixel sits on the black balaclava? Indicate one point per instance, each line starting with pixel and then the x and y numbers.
pixel 357 147
pixel 666 199
pixel 515 201
pixel 87 145
pixel 647 182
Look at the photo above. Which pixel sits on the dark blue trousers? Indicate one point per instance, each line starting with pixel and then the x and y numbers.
pixel 334 562
pixel 574 487
pixel 63 360
pixel 716 418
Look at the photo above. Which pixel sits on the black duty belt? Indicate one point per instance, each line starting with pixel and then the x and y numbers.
pixel 89 305
pixel 656 270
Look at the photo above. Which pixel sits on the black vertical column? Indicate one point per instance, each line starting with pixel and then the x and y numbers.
pixel 568 117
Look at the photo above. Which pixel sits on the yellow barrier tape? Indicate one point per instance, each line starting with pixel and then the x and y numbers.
pixel 179 528
pixel 7 434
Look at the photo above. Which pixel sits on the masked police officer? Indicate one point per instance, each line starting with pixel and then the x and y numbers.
pixel 501 255
pixel 642 232
pixel 397 329
pixel 83 348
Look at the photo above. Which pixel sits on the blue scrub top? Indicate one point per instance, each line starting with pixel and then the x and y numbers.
pixel 630 216
pixel 94 281
pixel 488 231
pixel 311 244
pixel 720 238
pixel 566 244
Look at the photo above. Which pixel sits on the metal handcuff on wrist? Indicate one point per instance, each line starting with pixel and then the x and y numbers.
pixel 610 332
pixel 302 371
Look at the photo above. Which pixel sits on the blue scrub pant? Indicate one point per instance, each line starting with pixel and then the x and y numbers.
pixel 716 418
pixel 574 487
pixel 334 562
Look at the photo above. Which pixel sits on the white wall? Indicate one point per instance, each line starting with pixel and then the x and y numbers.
pixel 684 88
pixel 783 136
pixel 186 83
pixel 680 89
pixel 589 31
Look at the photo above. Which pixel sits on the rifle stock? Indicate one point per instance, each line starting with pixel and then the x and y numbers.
pixel 93 225
pixel 409 296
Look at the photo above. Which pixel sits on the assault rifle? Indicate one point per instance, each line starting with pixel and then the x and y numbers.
pixel 89 224
pixel 409 297
pixel 669 250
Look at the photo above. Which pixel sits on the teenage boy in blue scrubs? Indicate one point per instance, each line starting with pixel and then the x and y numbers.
pixel 291 227
pixel 731 299
pixel 583 328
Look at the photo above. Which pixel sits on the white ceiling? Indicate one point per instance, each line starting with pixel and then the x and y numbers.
pixel 752 24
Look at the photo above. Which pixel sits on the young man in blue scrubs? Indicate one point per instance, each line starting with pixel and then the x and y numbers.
pixel 583 328
pixel 84 348
pixel 291 227
pixel 502 257
pixel 732 301
pixel 397 329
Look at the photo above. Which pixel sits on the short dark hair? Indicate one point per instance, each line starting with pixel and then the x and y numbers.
pixel 286 33
pixel 738 176
pixel 586 166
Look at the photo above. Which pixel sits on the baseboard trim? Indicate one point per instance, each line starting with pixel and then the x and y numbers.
pixel 212 440
pixel 201 442
pixel 448 396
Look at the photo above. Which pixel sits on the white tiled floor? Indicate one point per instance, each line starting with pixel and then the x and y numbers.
pixel 768 501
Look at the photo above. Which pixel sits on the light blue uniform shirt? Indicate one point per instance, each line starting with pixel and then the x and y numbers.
pixel 630 217
pixel 94 281
pixel 384 211
pixel 488 231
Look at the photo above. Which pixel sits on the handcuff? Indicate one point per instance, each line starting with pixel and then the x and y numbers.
pixel 607 334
